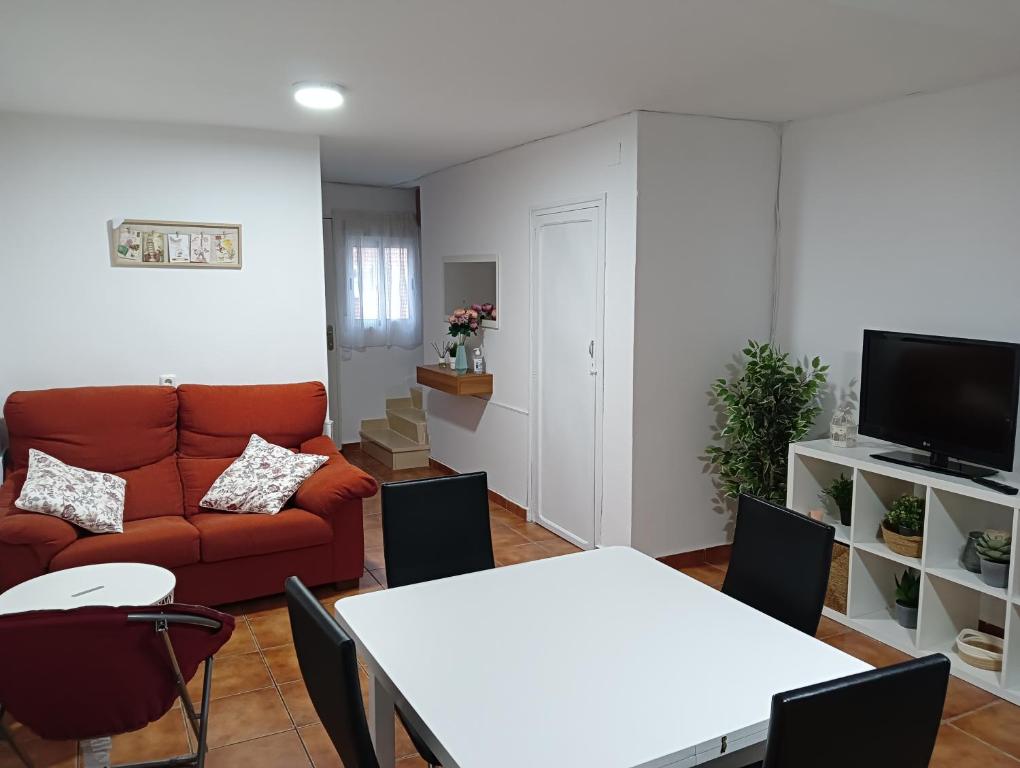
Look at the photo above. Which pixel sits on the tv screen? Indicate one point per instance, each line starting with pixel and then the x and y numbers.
pixel 954 397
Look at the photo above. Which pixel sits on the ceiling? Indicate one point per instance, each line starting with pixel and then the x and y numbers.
pixel 437 82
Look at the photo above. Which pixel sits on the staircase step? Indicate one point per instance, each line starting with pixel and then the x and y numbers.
pixel 417 399
pixel 393 449
pixel 409 422
pixel 392 403
pixel 392 441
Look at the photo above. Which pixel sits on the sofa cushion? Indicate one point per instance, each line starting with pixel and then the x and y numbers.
pixel 165 541
pixel 91 500
pixel 153 490
pixel 217 421
pixel 261 479
pixel 197 476
pixel 227 536
pixel 103 429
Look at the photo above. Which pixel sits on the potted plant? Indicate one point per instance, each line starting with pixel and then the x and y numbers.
pixel 994 548
pixel 903 526
pixel 466 322
pixel 771 404
pixel 908 590
pixel 841 491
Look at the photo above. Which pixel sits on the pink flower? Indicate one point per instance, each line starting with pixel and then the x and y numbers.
pixel 487 308
pixel 459 312
pixel 474 325
pixel 476 307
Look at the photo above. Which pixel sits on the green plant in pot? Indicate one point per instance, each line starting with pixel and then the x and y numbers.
pixel 908 592
pixel 772 403
pixel 841 491
pixel 906 516
pixel 994 548
pixel 903 526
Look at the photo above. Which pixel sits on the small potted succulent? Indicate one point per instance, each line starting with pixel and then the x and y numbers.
pixel 994 548
pixel 841 491
pixel 903 526
pixel 908 590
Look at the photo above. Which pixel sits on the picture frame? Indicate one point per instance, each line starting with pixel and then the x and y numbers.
pixel 174 244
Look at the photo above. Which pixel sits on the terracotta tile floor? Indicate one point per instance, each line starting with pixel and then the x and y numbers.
pixel 262 717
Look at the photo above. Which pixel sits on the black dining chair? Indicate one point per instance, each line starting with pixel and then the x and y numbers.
pixel 436 528
pixel 780 562
pixel 329 665
pixel 326 654
pixel 904 702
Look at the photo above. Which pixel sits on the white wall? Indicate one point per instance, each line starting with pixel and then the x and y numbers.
pixel 71 319
pixel 706 242
pixel 902 216
pixel 369 376
pixel 483 207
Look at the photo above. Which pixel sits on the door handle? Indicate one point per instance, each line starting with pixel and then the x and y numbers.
pixel 591 349
pixel 329 338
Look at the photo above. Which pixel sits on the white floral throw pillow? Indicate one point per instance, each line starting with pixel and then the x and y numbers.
pixel 91 500
pixel 261 479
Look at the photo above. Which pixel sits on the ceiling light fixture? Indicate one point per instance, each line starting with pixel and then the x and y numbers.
pixel 318 95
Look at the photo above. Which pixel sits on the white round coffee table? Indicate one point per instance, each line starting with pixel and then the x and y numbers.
pixel 101 584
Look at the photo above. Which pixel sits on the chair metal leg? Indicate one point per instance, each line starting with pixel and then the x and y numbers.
pixel 6 735
pixel 203 726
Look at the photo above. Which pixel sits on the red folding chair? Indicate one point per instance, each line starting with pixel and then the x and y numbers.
pixel 97 671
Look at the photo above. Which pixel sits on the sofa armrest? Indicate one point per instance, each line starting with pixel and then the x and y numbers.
pixel 28 541
pixel 335 483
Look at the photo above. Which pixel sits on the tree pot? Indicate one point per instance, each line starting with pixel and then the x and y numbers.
pixel 844 515
pixel 994 574
pixel 906 615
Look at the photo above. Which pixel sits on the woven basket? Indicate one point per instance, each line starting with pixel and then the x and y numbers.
pixel 980 649
pixel 835 595
pixel 908 546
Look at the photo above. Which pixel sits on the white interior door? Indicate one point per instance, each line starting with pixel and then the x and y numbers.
pixel 567 309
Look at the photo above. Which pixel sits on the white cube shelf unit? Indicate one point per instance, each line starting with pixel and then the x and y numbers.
pixel 952 598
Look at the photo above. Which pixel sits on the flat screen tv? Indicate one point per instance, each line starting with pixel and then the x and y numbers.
pixel 956 398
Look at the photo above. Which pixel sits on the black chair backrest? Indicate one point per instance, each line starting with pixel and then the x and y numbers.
pixel 329 666
pixel 436 528
pixel 887 718
pixel 780 563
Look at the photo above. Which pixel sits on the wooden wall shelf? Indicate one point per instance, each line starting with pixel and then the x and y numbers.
pixel 453 383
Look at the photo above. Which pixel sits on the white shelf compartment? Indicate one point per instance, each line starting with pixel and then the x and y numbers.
pixel 808 475
pixel 872 599
pixel 952 598
pixel 873 495
pixel 949 519
pixel 948 607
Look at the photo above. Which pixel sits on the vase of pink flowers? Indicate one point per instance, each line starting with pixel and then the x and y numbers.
pixel 465 322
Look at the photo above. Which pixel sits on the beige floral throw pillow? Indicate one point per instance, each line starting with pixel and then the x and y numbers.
pixel 261 479
pixel 91 500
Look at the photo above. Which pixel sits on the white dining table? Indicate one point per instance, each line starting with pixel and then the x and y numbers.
pixel 600 659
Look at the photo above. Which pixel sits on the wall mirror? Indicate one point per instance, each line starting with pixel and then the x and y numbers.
pixel 471 280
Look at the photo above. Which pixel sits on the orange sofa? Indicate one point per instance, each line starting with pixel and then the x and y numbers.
pixel 170 445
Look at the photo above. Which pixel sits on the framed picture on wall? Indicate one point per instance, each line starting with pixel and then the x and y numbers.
pixel 174 244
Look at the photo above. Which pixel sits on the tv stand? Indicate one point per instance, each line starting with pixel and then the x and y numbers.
pixel 934 462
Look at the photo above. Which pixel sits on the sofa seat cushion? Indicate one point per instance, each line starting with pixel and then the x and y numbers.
pixel 226 536
pixel 165 541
